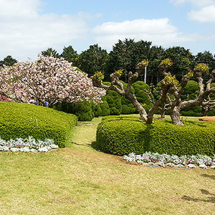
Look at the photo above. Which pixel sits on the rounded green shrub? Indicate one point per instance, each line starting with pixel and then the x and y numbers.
pixel 125 135
pixel 140 94
pixel 104 107
pixel 83 110
pixel 194 111
pixel 24 120
pixel 116 136
pixel 96 109
pixel 114 102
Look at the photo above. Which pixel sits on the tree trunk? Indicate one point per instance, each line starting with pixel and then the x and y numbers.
pixel 137 105
pixel 175 116
pixel 162 113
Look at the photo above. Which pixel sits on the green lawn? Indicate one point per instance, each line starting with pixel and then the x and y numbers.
pixel 80 180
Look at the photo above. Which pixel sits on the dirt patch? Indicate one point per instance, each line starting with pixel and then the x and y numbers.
pixel 212 118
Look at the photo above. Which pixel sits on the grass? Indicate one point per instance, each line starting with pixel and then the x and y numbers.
pixel 80 180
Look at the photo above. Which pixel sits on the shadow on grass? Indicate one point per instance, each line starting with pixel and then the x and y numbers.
pixel 210 198
pixel 209 176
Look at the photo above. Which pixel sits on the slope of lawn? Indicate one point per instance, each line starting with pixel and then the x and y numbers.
pixel 80 180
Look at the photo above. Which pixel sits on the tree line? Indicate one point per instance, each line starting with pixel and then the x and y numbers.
pixel 125 55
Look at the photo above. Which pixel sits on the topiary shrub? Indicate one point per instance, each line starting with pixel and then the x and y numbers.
pixel 125 135
pixel 191 139
pixel 114 102
pixel 24 120
pixel 96 109
pixel 189 94
pixel 190 89
pixel 116 136
pixel 194 111
pixel 104 107
pixel 82 110
pixel 140 94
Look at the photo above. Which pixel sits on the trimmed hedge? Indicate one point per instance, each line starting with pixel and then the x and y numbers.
pixel 24 120
pixel 82 110
pixel 114 102
pixel 141 96
pixel 125 135
pixel 116 136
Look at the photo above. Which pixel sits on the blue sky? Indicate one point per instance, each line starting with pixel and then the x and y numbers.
pixel 31 26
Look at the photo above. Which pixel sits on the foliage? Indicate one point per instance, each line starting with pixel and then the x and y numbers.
pixel 8 61
pixel 97 110
pixel 50 53
pixel 114 102
pixel 98 76
pixel 93 59
pixel 125 135
pixel 120 136
pixel 24 120
pixel 172 79
pixel 139 88
pixel 104 107
pixel 207 58
pixel 181 58
pixel 202 67
pixel 49 80
pixel 127 54
pixel 167 62
pixel 83 110
pixel 194 111
pixel 70 55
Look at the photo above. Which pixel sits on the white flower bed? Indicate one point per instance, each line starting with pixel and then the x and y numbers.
pixel 203 161
pixel 27 145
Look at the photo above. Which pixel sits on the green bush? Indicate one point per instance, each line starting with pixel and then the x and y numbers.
pixel 191 88
pixel 195 111
pixel 140 94
pixel 125 135
pixel 104 107
pixel 114 102
pixel 96 109
pixel 82 110
pixel 120 136
pixel 24 120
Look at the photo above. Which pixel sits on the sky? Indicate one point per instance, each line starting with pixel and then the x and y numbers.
pixel 28 27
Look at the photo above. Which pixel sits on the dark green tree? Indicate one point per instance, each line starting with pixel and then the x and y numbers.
pixel 70 55
pixel 8 61
pixel 50 52
pixel 127 54
pixel 207 58
pixel 93 59
pixel 182 60
pixel 156 55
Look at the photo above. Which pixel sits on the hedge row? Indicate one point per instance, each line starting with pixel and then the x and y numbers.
pixel 24 120
pixel 113 104
pixel 122 136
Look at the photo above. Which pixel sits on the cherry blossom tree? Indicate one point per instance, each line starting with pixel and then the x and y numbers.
pixel 48 79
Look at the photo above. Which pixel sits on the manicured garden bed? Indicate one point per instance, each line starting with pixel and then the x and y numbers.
pixel 123 135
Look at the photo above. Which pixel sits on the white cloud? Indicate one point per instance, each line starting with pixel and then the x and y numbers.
pixel 19 8
pixel 206 14
pixel 159 31
pixel 204 9
pixel 197 3
pixel 25 32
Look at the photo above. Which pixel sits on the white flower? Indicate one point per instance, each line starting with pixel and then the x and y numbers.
pixel 191 165
pixel 43 149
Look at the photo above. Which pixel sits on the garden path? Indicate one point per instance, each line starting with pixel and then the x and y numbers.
pixel 85 132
